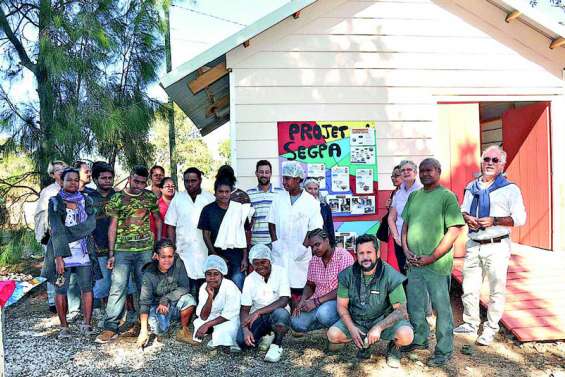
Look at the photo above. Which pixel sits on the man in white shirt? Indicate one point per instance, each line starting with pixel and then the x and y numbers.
pixel 294 212
pixel 491 206
pixel 182 218
pixel 264 305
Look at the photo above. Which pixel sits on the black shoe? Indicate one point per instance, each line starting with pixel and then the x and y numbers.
pixel 393 355
pixel 438 361
pixel 364 354
pixel 52 308
pixel 413 347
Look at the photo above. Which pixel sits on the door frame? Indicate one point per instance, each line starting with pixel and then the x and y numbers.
pixel 556 171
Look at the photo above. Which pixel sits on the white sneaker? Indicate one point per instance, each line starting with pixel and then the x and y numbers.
pixel 487 337
pixel 465 329
pixel 274 354
pixel 266 342
pixel 235 349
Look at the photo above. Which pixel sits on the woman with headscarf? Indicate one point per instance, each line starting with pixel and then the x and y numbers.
pixel 312 185
pixel 71 250
pixel 218 306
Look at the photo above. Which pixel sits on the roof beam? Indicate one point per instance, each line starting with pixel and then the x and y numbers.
pixel 208 78
pixel 513 15
pixel 217 106
pixel 557 42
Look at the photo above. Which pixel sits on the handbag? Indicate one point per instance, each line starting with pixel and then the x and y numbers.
pixel 382 232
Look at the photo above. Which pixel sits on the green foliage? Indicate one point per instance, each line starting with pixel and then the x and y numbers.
pixel 224 150
pixel 16 244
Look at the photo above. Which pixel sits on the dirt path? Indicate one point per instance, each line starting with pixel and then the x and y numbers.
pixel 33 350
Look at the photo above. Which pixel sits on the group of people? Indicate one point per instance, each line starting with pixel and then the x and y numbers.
pixel 246 267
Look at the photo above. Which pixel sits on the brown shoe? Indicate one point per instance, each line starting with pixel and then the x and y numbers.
pixel 105 337
pixel 132 332
pixel 185 336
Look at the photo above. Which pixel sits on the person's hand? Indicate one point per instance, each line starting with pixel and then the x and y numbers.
pixel 374 335
pixel 210 290
pixel 202 331
pixel 244 265
pixel 472 222
pixel 485 222
pixel 298 309
pixel 411 258
pixel 308 306
pixel 110 263
pixel 397 240
pixel 357 336
pixel 60 265
pixel 250 319
pixel 424 260
pixel 163 309
pixel 142 338
pixel 248 337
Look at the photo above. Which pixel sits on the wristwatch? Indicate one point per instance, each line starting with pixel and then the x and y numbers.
pixel 495 221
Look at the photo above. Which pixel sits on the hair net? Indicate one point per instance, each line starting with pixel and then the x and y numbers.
pixel 214 262
pixel 292 169
pixel 260 251
pixel 310 180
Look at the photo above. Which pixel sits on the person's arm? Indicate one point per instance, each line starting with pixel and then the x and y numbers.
pixel 410 257
pixel 343 311
pixel 145 302
pixel 112 230
pixel 304 304
pixel 158 224
pixel 143 336
pixel 397 314
pixel 444 246
pixel 248 337
pixel 273 232
pixel 172 233
pixel 392 215
pixel 207 308
pixel 207 235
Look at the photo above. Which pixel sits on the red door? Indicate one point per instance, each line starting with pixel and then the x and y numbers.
pixel 525 138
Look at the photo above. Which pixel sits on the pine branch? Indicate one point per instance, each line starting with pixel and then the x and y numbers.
pixel 24 58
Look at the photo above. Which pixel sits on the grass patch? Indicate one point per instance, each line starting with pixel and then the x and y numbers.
pixel 16 244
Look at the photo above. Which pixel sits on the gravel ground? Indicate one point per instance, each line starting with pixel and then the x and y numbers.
pixel 32 349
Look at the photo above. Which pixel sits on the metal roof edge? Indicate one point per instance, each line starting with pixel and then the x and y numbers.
pixel 233 41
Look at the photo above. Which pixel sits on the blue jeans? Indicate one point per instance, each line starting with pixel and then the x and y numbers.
pixel 233 259
pixel 124 264
pixel 264 325
pixel 102 287
pixel 323 317
pixel 160 323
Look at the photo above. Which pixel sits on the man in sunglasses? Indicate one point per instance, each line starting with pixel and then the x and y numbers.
pixel 491 206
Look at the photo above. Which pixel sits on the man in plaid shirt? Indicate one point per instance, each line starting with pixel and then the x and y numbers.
pixel 317 307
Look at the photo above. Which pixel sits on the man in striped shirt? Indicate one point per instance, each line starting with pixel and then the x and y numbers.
pixel 261 199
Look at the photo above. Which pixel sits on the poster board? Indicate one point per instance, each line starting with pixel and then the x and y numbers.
pixel 342 156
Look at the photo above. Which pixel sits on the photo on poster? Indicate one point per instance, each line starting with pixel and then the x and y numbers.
pixel 363 155
pixel 340 178
pixel 362 136
pixel 339 204
pixel 364 181
pixel 362 205
pixel 346 240
pixel 318 171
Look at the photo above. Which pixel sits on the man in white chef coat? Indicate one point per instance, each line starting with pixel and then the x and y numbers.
pixel 294 212
pixel 182 217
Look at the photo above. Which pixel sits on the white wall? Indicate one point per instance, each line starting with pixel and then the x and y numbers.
pixel 386 61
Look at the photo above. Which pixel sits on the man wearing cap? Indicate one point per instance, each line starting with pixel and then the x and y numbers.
pixel 264 305
pixel 491 207
pixel 218 306
pixel 294 212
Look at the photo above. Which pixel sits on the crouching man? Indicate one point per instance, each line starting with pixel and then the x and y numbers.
pixel 264 305
pixel 371 304
pixel 164 295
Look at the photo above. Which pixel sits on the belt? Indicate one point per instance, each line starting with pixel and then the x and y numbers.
pixel 491 240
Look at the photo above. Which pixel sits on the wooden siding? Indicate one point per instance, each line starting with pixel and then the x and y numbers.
pixel 378 60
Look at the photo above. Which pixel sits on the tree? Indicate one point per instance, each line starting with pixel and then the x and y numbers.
pixel 224 150
pixel 92 61
pixel 191 150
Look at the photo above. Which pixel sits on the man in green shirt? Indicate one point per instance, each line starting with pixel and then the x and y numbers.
pixel 130 244
pixel 371 305
pixel 432 222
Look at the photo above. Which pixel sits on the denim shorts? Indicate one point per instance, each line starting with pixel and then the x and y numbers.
pixel 84 279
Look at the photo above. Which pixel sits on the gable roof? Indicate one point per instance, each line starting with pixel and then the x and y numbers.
pixel 208 106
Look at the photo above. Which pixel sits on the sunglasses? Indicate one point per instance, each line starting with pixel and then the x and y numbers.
pixel 495 160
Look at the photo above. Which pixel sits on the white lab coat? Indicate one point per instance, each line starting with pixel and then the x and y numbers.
pixel 184 214
pixel 231 234
pixel 40 217
pixel 292 223
pixel 226 304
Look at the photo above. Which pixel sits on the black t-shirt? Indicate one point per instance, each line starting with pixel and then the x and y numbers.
pixel 211 218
